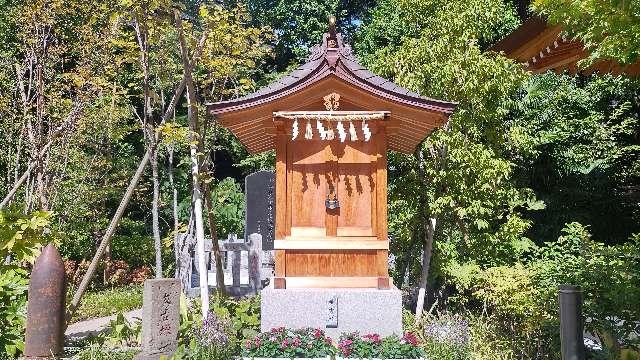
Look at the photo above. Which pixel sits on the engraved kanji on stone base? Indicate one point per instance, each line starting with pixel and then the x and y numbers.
pixel 160 318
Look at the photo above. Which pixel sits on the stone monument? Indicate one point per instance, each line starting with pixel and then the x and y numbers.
pixel 260 206
pixel 160 318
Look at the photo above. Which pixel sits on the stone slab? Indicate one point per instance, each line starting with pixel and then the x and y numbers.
pixel 160 318
pixel 362 310
pixel 260 206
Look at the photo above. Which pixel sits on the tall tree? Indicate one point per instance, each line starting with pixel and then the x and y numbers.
pixel 460 174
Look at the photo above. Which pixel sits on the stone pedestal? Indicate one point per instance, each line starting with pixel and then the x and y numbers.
pixel 333 310
pixel 160 318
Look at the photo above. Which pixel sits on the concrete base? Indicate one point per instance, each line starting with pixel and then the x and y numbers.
pixel 363 310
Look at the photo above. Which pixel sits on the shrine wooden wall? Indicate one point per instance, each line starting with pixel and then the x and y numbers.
pixel 320 247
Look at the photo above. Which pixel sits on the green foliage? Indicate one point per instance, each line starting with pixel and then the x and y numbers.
pixel 610 306
pixel 109 301
pixel 523 299
pixel 244 315
pixel 576 144
pixel 461 176
pixel 300 24
pixel 122 333
pixel 13 301
pixel 21 236
pixel 228 204
pixel 609 29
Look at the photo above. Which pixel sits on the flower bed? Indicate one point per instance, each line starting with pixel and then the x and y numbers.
pixel 285 343
pixel 372 346
pixel 310 343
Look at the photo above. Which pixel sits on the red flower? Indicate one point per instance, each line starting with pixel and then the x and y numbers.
pixel 375 338
pixel 317 333
pixel 410 338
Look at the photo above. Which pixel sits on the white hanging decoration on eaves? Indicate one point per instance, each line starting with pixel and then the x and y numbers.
pixel 294 130
pixel 341 133
pixel 352 132
pixel 309 133
pixel 366 131
pixel 321 131
pixel 330 134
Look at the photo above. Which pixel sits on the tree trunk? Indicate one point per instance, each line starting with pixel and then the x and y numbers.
pixel 192 114
pixel 155 209
pixel 427 247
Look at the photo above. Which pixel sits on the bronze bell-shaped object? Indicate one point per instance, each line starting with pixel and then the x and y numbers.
pixel 332 204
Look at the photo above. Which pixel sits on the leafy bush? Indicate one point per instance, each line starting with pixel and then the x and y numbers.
pixel 228 202
pixel 370 346
pixel 21 237
pixel 244 315
pixel 285 343
pixel 13 300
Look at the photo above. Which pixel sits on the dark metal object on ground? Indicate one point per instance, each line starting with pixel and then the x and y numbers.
pixel 571 325
pixel 46 306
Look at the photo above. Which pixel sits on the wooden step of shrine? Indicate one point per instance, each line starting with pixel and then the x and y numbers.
pixel 331 243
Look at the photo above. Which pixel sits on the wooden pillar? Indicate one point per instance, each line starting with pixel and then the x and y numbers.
pixel 281 200
pixel 381 206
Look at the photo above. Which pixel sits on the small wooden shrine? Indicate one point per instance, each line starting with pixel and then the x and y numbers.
pixel 331 122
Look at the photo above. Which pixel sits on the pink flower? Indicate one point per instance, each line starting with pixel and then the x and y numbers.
pixel 375 338
pixel 410 338
pixel 285 343
pixel 248 344
pixel 296 342
pixel 328 340
pixel 317 333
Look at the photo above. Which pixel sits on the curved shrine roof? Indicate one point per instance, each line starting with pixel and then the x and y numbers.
pixel 332 67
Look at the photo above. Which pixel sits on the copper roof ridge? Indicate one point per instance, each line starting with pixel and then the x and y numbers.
pixel 331 57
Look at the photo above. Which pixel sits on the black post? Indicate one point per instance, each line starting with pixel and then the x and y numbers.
pixel 571 326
